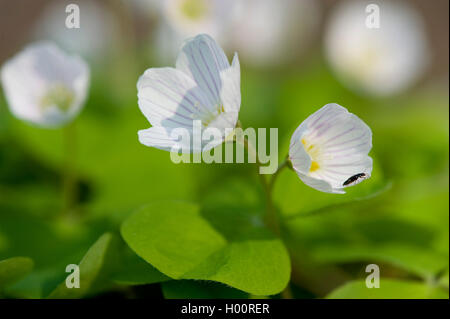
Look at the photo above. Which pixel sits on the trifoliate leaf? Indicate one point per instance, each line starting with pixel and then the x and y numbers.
pixel 180 243
pixel 133 270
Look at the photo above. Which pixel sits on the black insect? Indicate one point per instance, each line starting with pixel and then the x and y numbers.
pixel 355 179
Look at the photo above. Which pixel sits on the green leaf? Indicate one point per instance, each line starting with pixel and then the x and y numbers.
pixel 430 195
pixel 3 242
pixel 389 289
pixel 190 289
pixel 174 235
pixel 134 270
pixel 443 281
pixel 55 244
pixel 93 269
pixel 180 243
pixel 14 269
pixel 419 261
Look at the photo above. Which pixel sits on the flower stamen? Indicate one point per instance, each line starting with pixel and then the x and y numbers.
pixel 208 116
pixel 58 95
pixel 314 166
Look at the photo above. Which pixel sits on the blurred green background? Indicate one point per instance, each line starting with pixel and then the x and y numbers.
pixel 398 219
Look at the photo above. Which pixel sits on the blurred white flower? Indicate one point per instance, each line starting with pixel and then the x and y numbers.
pixel 203 86
pixel 45 86
pixel 92 40
pixel 182 19
pixel 268 32
pixel 379 61
pixel 195 16
pixel 329 149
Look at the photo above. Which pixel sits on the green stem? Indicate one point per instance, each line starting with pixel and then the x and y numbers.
pixel 69 170
pixel 271 214
pixel 273 178
pixel 271 217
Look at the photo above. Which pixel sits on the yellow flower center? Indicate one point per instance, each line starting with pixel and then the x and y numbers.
pixel 314 166
pixel 194 9
pixel 312 151
pixel 60 96
pixel 208 116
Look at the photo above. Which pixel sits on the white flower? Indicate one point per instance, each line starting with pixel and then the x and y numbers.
pixel 203 86
pixel 45 86
pixel 183 19
pixel 329 149
pixel 93 39
pixel 268 32
pixel 196 16
pixel 378 61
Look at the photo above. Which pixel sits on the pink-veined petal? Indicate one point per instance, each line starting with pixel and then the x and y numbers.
pixel 168 97
pixel 203 60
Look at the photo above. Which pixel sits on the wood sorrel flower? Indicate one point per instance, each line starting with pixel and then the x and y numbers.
pixel 182 19
pixel 45 86
pixel 193 16
pixel 203 87
pixel 380 57
pixel 329 149
pixel 268 33
pixel 96 22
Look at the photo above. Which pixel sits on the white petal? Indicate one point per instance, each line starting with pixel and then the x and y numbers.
pixel 336 142
pixel 28 76
pixel 230 94
pixel 22 95
pixel 203 60
pixel 222 122
pixel 225 120
pixel 163 139
pixel 337 173
pixel 203 87
pixel 339 133
pixel 323 116
pixel 379 61
pixel 80 82
pixel 319 184
pixel 298 156
pixel 169 97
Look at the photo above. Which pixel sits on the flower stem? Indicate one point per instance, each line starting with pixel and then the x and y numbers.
pixel 69 169
pixel 271 217
pixel 273 178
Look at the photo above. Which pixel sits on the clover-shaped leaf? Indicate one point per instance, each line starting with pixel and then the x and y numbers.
pixel 133 270
pixel 179 242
